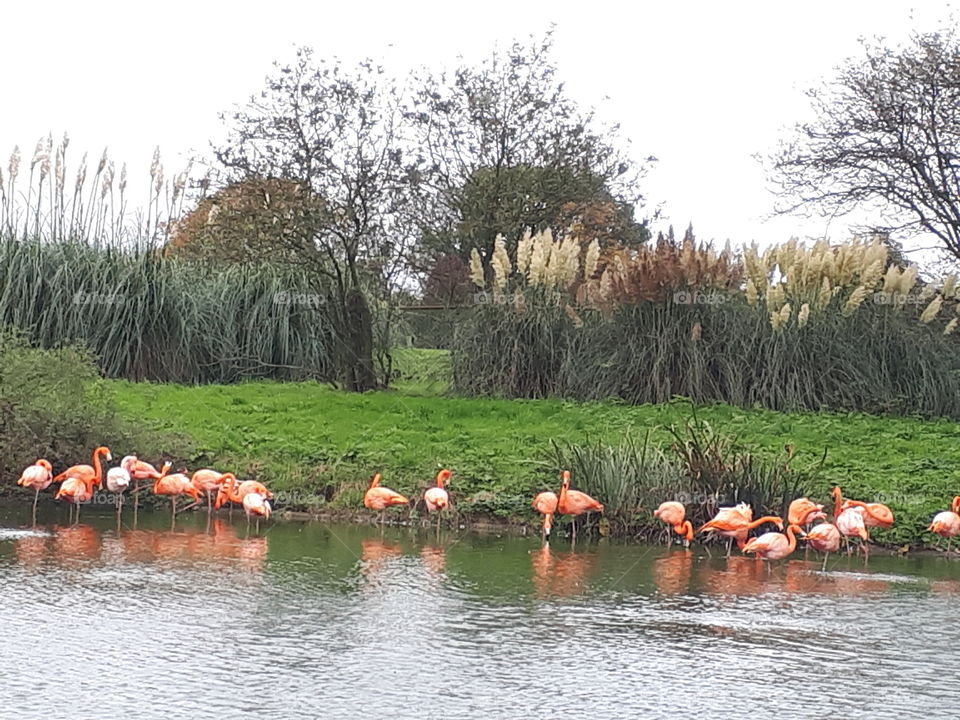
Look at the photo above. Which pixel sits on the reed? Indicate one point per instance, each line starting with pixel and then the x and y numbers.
pixel 145 317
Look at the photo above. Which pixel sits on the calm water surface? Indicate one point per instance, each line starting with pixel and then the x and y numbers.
pixel 308 620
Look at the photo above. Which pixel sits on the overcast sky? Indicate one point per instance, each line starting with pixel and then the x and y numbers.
pixel 702 86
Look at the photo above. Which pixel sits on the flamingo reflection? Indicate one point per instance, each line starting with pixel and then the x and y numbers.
pixel 561 574
pixel 671 573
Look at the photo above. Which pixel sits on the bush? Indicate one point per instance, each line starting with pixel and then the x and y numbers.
pixel 53 404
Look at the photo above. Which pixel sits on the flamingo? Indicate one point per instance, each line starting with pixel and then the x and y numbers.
pixel 574 502
pixel 947 523
pixel 256 504
pixel 118 480
pixel 876 515
pixel 850 520
pixel 208 481
pixel 824 538
pixel 736 523
pixel 92 475
pixel 804 511
pixel 674 513
pixel 174 486
pixel 436 498
pixel 37 476
pixel 774 545
pixel 545 503
pixel 230 491
pixel 76 491
pixel 139 471
pixel 380 498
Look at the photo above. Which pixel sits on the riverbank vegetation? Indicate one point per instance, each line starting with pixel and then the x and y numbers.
pixel 318 447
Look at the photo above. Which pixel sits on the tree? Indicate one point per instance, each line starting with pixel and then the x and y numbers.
pixel 886 136
pixel 333 133
pixel 505 149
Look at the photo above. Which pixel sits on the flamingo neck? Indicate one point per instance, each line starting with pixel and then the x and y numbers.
pixel 98 469
pixel 375 482
pixel 837 502
pixel 792 539
pixel 760 521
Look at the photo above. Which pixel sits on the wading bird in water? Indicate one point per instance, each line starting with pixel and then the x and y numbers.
pixel 947 523
pixel 574 503
pixel 736 523
pixel 256 505
pixel 674 513
pixel 209 483
pixel 824 538
pixel 174 486
pixel 230 491
pixel 436 498
pixel 545 503
pixel 850 520
pixel 139 472
pixel 38 476
pixel 773 545
pixel 75 491
pixel 118 480
pixel 381 498
pixel 91 475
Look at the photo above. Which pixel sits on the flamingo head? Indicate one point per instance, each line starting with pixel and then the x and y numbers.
pixel 566 478
pixel 443 477
pixel 375 480
pixel 128 462
pixel 105 451
pixel 45 464
pixel 836 494
pixel 166 468
pixel 955 505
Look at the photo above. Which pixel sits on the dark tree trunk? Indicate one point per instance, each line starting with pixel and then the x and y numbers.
pixel 357 351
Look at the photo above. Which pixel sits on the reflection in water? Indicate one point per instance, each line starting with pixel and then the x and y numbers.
pixel 340 621
pixel 562 574
pixel 672 572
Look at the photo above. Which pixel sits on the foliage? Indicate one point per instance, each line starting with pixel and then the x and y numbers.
pixel 334 132
pixel 144 316
pixel 54 405
pixel 885 135
pixel 812 328
pixel 505 148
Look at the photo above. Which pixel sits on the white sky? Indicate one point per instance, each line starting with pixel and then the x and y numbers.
pixel 700 85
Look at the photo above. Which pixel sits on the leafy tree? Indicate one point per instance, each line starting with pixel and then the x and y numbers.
pixel 327 135
pixel 886 136
pixel 504 149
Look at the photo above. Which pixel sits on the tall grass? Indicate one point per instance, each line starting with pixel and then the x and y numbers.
pixel 878 360
pixel 145 317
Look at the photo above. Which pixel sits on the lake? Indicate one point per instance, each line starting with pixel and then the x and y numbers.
pixel 212 620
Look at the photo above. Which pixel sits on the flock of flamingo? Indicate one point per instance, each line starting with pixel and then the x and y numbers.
pixel 851 518
pixel 78 483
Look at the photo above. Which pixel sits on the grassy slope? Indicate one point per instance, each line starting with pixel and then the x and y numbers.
pixel 311 440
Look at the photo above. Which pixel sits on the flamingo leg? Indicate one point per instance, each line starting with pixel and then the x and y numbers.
pixel 173 511
pixel 826 556
pixel 36 496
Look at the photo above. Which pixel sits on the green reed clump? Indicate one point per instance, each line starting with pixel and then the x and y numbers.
pixel 147 317
pixel 703 469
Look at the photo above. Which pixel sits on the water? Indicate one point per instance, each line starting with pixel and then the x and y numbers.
pixel 308 620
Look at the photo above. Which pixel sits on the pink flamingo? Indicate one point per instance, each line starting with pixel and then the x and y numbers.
pixel 674 513
pixel 436 498
pixel 38 476
pixel 545 503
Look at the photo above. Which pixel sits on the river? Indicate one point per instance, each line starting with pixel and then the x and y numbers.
pixel 212 620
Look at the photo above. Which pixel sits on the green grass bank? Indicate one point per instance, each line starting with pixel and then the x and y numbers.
pixel 318 446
